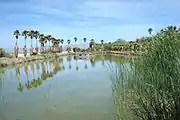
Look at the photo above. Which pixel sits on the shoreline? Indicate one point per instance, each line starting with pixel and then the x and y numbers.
pixel 10 62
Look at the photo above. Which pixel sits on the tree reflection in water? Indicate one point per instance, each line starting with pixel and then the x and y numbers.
pixel 85 66
pixel 39 82
pixel 92 61
pixel 20 86
pixel 43 75
pixel 2 72
pixel 56 66
pixel 28 86
pixel 50 68
pixel 69 61
pixel 75 58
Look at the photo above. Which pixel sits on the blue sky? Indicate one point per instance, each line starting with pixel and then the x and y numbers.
pixel 98 19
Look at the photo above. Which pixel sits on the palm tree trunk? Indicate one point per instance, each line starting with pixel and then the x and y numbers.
pixel 36 47
pixel 31 42
pixel 36 43
pixel 24 42
pixel 16 48
pixel 16 41
pixel 49 46
pixel 75 47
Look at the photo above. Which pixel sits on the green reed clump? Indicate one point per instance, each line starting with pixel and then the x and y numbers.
pixel 152 88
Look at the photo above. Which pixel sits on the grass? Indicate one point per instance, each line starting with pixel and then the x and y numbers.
pixel 149 88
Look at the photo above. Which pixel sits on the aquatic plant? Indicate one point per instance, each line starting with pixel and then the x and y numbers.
pixel 150 88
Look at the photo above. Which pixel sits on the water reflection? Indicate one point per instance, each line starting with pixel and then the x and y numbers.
pixel 20 86
pixel 43 74
pixel 31 89
pixel 69 58
pixel 76 59
pixel 92 60
pixel 40 72
pixel 2 72
pixel 85 66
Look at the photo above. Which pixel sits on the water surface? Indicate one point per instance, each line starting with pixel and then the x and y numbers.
pixel 58 89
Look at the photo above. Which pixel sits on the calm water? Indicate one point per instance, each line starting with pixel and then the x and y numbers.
pixel 59 89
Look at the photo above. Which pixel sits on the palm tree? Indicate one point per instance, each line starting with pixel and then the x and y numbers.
pixel 75 40
pixel 46 39
pixel 49 40
pixel 61 48
pixel 53 40
pixel 31 35
pixel 36 35
pixel 84 39
pixel 16 48
pixel 102 42
pixel 25 34
pixel 57 45
pixel 150 31
pixel 57 42
pixel 42 41
pixel 68 41
pixel 62 41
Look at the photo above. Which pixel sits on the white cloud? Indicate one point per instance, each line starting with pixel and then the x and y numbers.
pixel 98 19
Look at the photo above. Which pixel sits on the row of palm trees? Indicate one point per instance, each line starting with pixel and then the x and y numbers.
pixel 138 45
pixel 43 39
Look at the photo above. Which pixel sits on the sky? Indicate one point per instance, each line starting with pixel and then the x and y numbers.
pixel 97 19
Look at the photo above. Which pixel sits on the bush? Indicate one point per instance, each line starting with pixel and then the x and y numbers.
pixel 75 49
pixel 68 48
pixel 83 50
pixel 150 88
pixel 3 53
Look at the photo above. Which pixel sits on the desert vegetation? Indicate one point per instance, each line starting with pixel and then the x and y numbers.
pixel 148 88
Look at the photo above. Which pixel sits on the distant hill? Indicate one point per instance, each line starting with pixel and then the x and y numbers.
pixel 120 41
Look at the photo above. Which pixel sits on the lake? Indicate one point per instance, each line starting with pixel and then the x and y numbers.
pixel 58 89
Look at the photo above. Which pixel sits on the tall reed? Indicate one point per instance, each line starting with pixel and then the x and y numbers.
pixel 150 87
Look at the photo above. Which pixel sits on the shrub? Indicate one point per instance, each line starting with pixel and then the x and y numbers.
pixel 68 49
pixel 151 87
pixel 76 49
pixel 3 53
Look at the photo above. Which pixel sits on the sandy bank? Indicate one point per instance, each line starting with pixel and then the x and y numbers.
pixel 4 61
